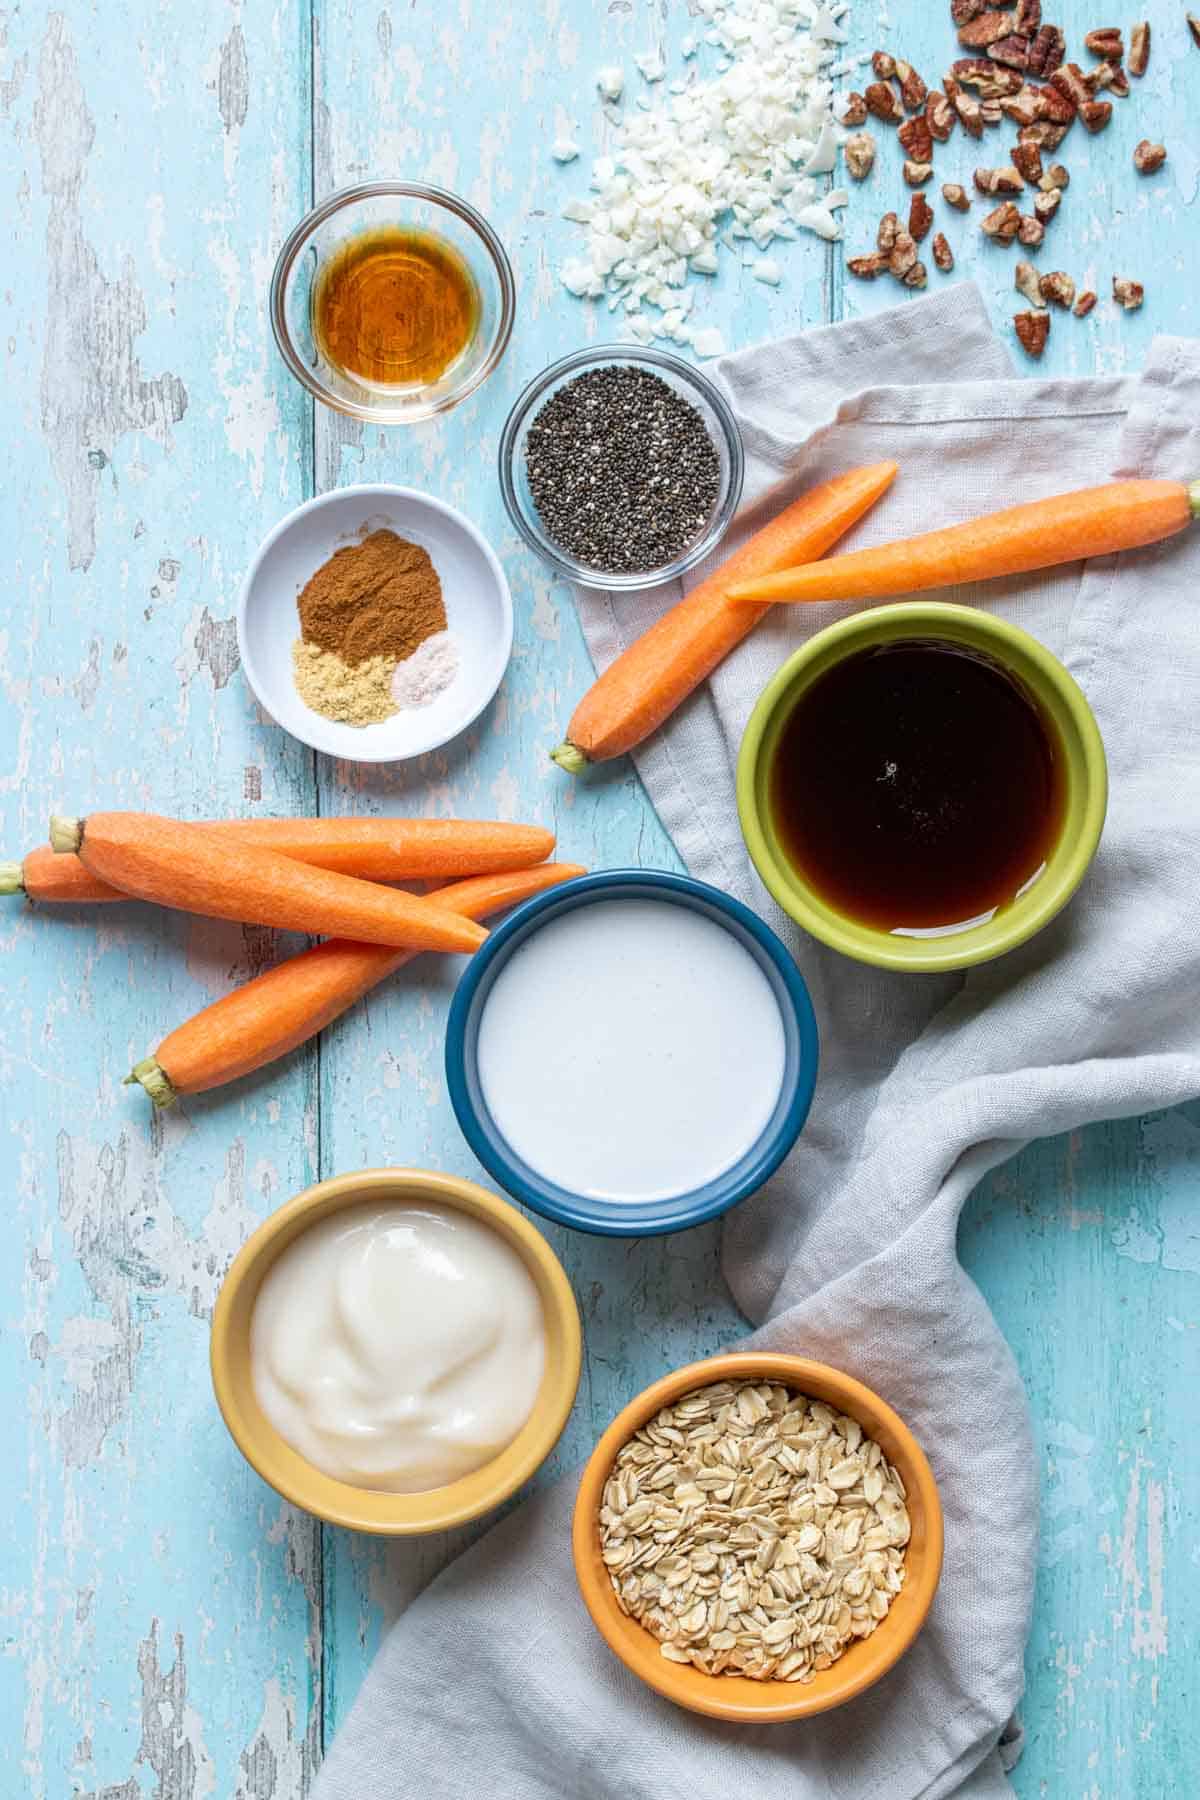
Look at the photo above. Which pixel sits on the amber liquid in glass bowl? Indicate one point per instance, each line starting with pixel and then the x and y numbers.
pixel 395 307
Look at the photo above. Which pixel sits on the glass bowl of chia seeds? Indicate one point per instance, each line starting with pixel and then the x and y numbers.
pixel 621 466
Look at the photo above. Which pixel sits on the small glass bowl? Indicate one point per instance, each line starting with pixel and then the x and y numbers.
pixel 696 388
pixel 367 207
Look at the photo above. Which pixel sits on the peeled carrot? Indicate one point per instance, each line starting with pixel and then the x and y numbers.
pixel 1099 521
pixel 198 871
pixel 372 849
pixel 657 672
pixel 287 1005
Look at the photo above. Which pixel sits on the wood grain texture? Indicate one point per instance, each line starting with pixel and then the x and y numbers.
pixel 169 1628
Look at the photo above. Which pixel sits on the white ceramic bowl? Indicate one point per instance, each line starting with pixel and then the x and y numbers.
pixel 478 613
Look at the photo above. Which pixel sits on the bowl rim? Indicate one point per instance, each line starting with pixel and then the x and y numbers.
pixel 797 1701
pixel 368 490
pixel 653 1218
pixel 415 1514
pixel 1016 650
pixel 350 195
pixel 643 355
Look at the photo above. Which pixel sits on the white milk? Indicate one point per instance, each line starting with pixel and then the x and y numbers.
pixel 631 1050
pixel 398 1347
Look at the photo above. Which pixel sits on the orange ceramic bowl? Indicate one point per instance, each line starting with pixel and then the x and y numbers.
pixel 734 1697
pixel 367 1509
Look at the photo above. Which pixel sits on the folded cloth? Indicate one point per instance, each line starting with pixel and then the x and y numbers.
pixel 494 1681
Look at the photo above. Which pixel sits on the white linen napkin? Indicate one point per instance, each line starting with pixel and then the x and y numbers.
pixel 494 1681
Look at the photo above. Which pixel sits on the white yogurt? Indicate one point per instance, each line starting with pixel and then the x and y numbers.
pixel 631 1050
pixel 398 1347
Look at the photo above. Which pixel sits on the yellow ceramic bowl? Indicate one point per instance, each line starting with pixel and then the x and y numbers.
pixel 733 1696
pixel 364 1509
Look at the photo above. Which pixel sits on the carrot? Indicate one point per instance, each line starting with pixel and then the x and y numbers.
pixel 287 1005
pixel 1121 515
pixel 178 865
pixel 657 672
pixel 372 849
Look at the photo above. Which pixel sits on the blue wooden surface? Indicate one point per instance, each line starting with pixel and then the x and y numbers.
pixel 169 1628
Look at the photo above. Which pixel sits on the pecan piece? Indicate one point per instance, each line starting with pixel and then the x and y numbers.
pixel 1128 294
pixel 1148 157
pixel 1028 284
pixel 913 90
pixel 1084 304
pixel 987 29
pixel 1033 330
pixel 1055 177
pixel 920 218
pixel 1012 51
pixel 854 110
pixel 970 113
pixel 943 255
pixel 1022 108
pixel 956 196
pixel 1031 232
pixel 1096 114
pixel 963 11
pixel 939 116
pixel 999 181
pixel 1003 224
pixel 1073 86
pixel 989 112
pixel 1054 106
pixel 859 152
pixel 884 65
pixel 990 80
pixel 889 230
pixel 916 174
pixel 881 100
pixel 1027 158
pixel 1046 204
pixel 1058 288
pixel 1028 18
pixel 1045 135
pixel 917 138
pixel 1107 43
pixel 867 267
pixel 903 255
pixel 1111 76
pixel 1139 48
pixel 917 276
pixel 1047 51
pixel 1193 25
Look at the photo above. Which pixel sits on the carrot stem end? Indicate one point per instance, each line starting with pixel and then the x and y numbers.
pixel 151 1075
pixel 12 880
pixel 66 834
pixel 568 757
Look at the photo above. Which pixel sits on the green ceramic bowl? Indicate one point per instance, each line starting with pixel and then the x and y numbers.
pixel 1078 741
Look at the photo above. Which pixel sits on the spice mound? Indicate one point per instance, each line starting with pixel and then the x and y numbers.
pixel 622 470
pixel 754 1532
pixel 364 616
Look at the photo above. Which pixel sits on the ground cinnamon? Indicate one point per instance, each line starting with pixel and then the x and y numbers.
pixel 380 598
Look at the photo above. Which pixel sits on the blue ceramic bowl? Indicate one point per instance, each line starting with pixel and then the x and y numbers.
pixel 624 1218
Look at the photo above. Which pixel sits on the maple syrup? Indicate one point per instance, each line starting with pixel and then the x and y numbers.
pixel 395 307
pixel 917 786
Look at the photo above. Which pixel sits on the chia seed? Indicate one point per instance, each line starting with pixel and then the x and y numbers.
pixel 621 469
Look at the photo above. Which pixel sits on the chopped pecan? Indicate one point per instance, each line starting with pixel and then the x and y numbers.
pixel 1096 114
pixel 1128 294
pixel 1139 48
pixel 859 152
pixel 1055 107
pixel 939 116
pixel 987 28
pixel 1111 76
pixel 1047 51
pixel 1028 17
pixel 920 218
pixel 1033 329
pixel 1012 51
pixel 1045 135
pixel 917 276
pixel 1046 204
pixel 1055 177
pixel 854 110
pixel 943 255
pixel 1193 25
pixel 1003 224
pixel 889 230
pixel 916 174
pixel 989 112
pixel 1073 85
pixel 970 114
pixel 991 81
pixel 1022 108
pixel 956 196
pixel 917 138
pixel 1084 304
pixel 903 254
pixel 1107 42
pixel 884 65
pixel 1058 288
pixel 1031 232
pixel 1148 157
pixel 999 181
pixel 882 101
pixel 963 11
pixel 913 90
pixel 1028 159
pixel 1028 284
pixel 867 267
